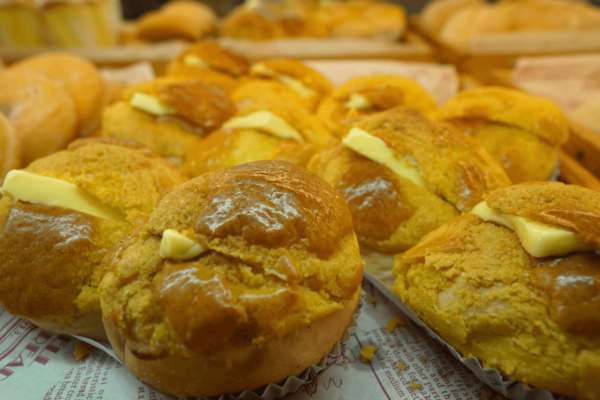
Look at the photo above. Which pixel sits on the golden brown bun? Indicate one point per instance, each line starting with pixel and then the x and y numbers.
pixel 278 359
pixel 199 108
pixel 279 69
pixel 437 12
pixel 233 146
pixel 225 66
pixel 50 256
pixel 521 131
pixel 267 92
pixel 187 20
pixel 203 104
pixel 10 148
pixel 536 320
pixel 251 286
pixel 364 19
pixel 390 213
pixel 253 24
pixel 382 91
pixel 76 76
pixel 569 207
pixel 42 114
pixel 453 166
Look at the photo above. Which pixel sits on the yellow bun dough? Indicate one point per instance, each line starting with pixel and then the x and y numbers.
pixel 270 294
pixel 187 20
pixel 523 132
pixel 76 76
pixel 212 64
pixel 50 255
pixel 391 212
pixel 305 81
pixel 42 114
pixel 437 12
pixel 10 148
pixel 380 93
pixel 537 320
pixel 196 108
pixel 231 146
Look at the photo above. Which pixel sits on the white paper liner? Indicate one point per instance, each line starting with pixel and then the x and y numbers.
pixel 273 390
pixel 492 377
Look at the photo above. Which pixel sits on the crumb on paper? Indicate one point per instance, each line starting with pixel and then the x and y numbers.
pixel 82 349
pixel 372 300
pixel 394 322
pixel 425 358
pixel 486 394
pixel 415 385
pixel 444 373
pixel 402 366
pixel 345 367
pixel 500 397
pixel 367 353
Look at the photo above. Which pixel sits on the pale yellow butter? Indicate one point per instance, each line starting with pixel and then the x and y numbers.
pixel 150 104
pixel 31 188
pixel 358 102
pixel 375 149
pixel 538 239
pixel 292 83
pixel 194 61
pixel 267 122
pixel 178 247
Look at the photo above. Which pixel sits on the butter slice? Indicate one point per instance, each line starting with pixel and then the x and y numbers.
pixel 375 149
pixel 178 247
pixel 265 121
pixel 194 61
pixel 538 239
pixel 358 101
pixel 150 104
pixel 31 188
pixel 296 85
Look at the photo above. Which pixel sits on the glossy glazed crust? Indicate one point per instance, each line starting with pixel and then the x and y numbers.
pixel 252 23
pixel 50 256
pixel 365 19
pixel 235 369
pixel 383 91
pixel 46 120
pixel 257 92
pixel 218 58
pixel 375 211
pixel 79 78
pixel 511 107
pixel 473 283
pixel 436 13
pixel 281 255
pixel 10 148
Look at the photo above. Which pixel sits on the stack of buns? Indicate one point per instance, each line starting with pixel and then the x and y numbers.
pixel 316 19
pixel 457 21
pixel 243 267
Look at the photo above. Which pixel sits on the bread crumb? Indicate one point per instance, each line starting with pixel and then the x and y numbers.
pixel 444 373
pixel 394 322
pixel 372 300
pixel 367 353
pixel 425 358
pixel 401 366
pixel 82 349
pixel 345 367
pixel 415 385
pixel 486 395
pixel 500 397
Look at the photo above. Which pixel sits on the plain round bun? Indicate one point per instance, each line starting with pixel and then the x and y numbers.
pixel 42 114
pixel 271 292
pixel 76 76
